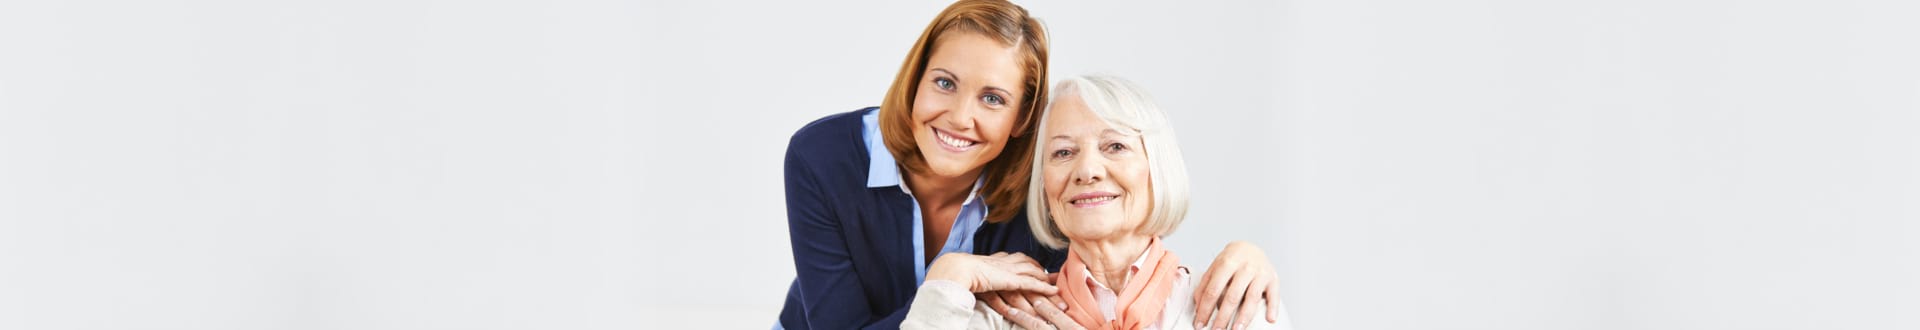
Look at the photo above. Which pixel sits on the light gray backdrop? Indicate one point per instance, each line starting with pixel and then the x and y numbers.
pixel 615 165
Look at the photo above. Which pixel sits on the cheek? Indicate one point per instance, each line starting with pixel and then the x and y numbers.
pixel 1053 179
pixel 999 124
pixel 1139 181
pixel 926 104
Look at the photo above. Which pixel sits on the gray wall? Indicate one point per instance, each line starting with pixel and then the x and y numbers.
pixel 602 165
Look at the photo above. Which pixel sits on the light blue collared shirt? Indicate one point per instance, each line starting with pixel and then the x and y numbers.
pixel 883 171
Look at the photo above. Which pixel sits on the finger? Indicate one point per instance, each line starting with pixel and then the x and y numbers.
pixel 1031 270
pixel 1054 310
pixel 1249 306
pixel 1058 317
pixel 1207 299
pixel 1024 283
pixel 1273 300
pixel 1026 319
pixel 1018 300
pixel 1230 300
pixel 1039 300
pixel 998 304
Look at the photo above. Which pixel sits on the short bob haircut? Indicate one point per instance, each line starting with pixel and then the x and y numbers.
pixel 1010 24
pixel 1127 108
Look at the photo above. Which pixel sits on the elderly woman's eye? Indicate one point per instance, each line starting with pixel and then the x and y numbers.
pixel 1115 147
pixel 1062 153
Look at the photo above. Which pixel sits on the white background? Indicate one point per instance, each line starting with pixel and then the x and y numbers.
pixel 616 165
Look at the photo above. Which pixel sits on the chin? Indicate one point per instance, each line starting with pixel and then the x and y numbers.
pixel 950 167
pixel 1090 227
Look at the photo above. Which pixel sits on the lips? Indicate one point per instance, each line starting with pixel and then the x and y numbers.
pixel 1092 199
pixel 953 142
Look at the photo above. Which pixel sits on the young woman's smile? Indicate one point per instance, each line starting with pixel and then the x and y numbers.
pixel 954 142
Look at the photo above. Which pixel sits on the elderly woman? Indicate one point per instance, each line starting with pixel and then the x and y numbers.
pixel 1110 183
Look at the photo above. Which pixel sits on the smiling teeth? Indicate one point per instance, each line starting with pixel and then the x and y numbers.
pixel 1093 200
pixel 950 140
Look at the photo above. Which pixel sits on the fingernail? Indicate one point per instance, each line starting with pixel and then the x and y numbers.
pixel 1063 306
pixel 1242 326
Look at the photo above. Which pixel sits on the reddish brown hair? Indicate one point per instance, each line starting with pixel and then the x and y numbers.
pixel 1007 174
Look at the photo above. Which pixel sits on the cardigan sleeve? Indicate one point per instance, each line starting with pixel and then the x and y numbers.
pixel 830 292
pixel 941 304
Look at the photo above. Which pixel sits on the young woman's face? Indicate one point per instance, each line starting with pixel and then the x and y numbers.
pixel 967 102
pixel 1096 178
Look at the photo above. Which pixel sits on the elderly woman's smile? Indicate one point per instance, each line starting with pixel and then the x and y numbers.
pixel 1092 199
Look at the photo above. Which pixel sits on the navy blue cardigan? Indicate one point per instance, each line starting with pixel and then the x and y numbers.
pixel 853 245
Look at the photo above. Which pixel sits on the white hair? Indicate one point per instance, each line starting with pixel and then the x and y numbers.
pixel 1127 108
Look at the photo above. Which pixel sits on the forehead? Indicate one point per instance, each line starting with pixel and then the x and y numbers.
pixel 977 59
pixel 1070 117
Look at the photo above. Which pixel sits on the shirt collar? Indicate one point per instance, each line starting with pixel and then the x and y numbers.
pixel 882 170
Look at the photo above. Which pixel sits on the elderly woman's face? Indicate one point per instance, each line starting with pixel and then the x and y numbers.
pixel 1096 176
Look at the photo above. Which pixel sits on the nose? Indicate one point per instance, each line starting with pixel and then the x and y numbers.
pixel 963 113
pixel 1089 170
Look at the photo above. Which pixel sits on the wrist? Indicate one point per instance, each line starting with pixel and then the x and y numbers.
pixel 948 267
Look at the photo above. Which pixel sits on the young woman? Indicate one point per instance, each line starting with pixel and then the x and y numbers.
pixel 942 165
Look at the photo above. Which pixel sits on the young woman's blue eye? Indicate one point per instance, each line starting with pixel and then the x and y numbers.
pixel 993 100
pixel 943 83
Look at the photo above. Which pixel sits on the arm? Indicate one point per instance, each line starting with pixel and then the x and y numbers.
pixel 830 289
pixel 943 304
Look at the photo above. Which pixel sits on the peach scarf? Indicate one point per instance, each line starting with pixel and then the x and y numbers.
pixel 1140 302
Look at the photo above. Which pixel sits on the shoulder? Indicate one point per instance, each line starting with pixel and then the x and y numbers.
pixel 1178 311
pixel 835 130
pixel 830 146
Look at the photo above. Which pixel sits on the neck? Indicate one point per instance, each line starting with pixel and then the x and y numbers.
pixel 933 191
pixel 1109 258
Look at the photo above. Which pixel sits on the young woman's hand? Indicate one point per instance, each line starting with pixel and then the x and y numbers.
pixel 1238 279
pixel 1030 310
pixel 997 272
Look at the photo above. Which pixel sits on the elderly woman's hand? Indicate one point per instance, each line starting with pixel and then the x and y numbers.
pixel 1030 310
pixel 1238 279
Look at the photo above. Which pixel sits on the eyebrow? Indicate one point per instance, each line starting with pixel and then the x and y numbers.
pixel 1002 91
pixel 956 78
pixel 1104 132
